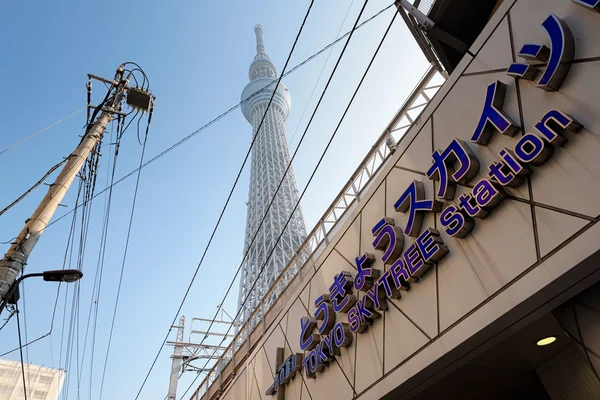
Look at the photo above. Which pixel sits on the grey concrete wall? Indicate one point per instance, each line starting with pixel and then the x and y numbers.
pixel 514 263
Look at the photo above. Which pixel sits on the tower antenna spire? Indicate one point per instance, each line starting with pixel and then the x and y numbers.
pixel 260 44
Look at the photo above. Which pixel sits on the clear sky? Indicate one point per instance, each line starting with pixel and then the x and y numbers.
pixel 196 55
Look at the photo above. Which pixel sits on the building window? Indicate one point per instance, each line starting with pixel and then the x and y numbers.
pixel 39 395
pixel 7 373
pixel 46 379
pixel 4 391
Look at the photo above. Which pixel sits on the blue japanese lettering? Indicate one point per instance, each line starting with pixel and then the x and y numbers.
pixel 365 277
pixel 390 239
pixel 558 57
pixel 340 292
pixel 308 339
pixel 593 5
pixel 493 118
pixel 325 313
pixel 413 202
pixel 457 152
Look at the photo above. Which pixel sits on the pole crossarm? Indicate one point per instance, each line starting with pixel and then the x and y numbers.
pixel 207 333
pixel 195 346
pixel 184 353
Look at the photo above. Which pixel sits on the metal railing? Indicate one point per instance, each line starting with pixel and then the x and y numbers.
pixel 327 226
pixel 424 5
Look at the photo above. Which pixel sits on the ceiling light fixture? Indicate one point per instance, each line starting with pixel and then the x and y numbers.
pixel 546 341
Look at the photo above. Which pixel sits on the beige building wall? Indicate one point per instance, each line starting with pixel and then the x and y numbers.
pixel 536 250
pixel 42 383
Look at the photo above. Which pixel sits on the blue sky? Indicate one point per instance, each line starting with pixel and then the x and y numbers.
pixel 196 55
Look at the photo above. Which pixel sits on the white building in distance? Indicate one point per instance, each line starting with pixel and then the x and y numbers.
pixel 42 383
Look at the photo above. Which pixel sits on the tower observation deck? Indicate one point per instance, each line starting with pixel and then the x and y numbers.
pixel 270 158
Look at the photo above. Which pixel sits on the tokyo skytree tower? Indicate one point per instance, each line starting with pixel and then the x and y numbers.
pixel 270 158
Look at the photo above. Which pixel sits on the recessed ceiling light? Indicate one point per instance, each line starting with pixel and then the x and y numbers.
pixel 546 341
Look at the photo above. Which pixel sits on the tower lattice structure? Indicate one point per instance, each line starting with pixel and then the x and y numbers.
pixel 270 158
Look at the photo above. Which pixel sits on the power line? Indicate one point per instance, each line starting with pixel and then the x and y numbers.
pixel 25 325
pixel 179 143
pixel 84 203
pixel 95 296
pixel 315 169
pixel 87 183
pixel 285 173
pixel 69 255
pixel 135 192
pixel 7 319
pixel 220 116
pixel 283 178
pixel 21 350
pixel 103 240
pixel 338 38
pixel 73 329
pixel 40 131
pixel 87 188
pixel 88 191
pixel 39 338
pixel 55 302
pixel 50 171
pixel 258 131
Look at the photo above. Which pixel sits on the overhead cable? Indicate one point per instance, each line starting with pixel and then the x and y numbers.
pixel 228 198
pixel 338 38
pixel 135 193
pixel 221 116
pixel 38 183
pixel 309 180
pixel 289 165
pixel 40 131
pixel 21 351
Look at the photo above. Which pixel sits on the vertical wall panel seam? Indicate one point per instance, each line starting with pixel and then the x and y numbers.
pixel 536 236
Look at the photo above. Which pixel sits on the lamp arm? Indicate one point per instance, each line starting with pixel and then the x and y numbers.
pixel 14 287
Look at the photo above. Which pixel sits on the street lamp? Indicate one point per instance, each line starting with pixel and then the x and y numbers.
pixel 59 275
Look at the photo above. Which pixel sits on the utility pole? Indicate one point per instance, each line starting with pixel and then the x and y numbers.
pixel 177 356
pixel 184 353
pixel 16 257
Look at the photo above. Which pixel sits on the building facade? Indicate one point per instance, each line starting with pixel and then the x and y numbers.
pixel 274 224
pixel 42 383
pixel 469 267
